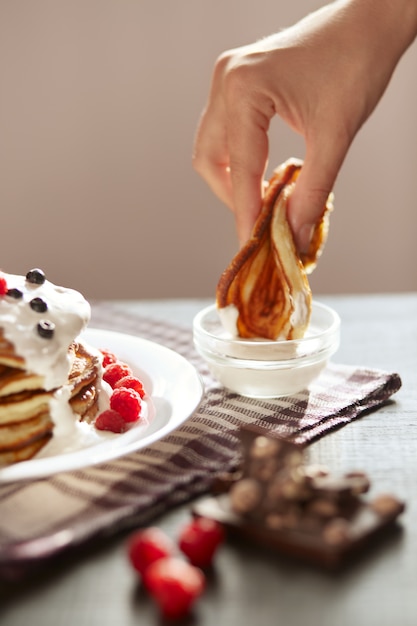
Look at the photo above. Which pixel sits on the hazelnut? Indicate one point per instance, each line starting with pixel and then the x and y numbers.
pixel 245 496
pixel 336 532
pixel 386 505
pixel 263 447
pixel 322 508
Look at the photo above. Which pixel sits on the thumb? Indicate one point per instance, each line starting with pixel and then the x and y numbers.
pixel 307 201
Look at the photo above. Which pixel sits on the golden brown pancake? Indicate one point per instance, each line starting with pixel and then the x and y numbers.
pixel 13 380
pixel 266 284
pixel 15 436
pixel 8 355
pixel 85 402
pixel 85 367
pixel 85 383
pixel 25 421
pixel 19 407
pixel 24 453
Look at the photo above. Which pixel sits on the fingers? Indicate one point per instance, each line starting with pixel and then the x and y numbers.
pixel 231 145
pixel 314 184
pixel 210 155
pixel 248 149
pixel 231 155
pixel 210 151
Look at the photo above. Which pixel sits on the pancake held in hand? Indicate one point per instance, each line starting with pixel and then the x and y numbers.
pixel 47 374
pixel 265 291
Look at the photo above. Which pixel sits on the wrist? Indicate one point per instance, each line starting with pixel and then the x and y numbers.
pixel 393 21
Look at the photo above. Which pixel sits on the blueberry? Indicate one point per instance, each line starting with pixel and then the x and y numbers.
pixel 35 276
pixel 38 305
pixel 14 293
pixel 46 329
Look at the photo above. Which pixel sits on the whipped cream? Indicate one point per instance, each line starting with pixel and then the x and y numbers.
pixel 66 309
pixel 301 310
pixel 228 317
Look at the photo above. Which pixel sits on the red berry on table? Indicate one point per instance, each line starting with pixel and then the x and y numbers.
pixel 199 540
pixel 131 382
pixel 127 402
pixel 111 420
pixel 115 371
pixel 175 585
pixel 147 546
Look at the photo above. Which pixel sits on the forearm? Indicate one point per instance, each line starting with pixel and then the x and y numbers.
pixel 391 25
pixel 361 40
pixel 395 16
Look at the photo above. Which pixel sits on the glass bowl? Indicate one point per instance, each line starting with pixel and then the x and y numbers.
pixel 260 368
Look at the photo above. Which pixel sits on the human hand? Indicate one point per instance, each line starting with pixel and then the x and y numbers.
pixel 323 77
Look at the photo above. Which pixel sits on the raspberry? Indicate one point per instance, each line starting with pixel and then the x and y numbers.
pixel 3 286
pixel 199 540
pixel 127 402
pixel 113 372
pixel 175 585
pixel 131 382
pixel 110 420
pixel 148 545
pixel 108 357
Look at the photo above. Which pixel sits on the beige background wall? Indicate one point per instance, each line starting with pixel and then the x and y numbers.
pixel 99 101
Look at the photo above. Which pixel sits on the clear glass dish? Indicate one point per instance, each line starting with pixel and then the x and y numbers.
pixel 261 368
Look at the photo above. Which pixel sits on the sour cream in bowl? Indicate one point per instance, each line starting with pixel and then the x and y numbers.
pixel 260 368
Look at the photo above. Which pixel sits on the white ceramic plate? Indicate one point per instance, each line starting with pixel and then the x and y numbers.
pixel 174 392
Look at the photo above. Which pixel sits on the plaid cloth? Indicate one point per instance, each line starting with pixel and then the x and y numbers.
pixel 44 517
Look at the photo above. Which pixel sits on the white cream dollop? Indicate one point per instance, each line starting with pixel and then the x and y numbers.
pixel 67 309
pixel 229 314
pixel 228 317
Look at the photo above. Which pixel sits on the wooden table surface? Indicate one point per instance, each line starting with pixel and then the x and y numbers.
pixel 249 586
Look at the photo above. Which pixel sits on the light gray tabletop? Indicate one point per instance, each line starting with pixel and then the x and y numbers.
pixel 249 586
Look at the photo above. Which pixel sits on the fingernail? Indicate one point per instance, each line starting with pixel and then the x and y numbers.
pixel 304 237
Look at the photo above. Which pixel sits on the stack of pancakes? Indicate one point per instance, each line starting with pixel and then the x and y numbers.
pixel 26 423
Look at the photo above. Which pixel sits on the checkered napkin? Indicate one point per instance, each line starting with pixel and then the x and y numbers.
pixel 42 518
